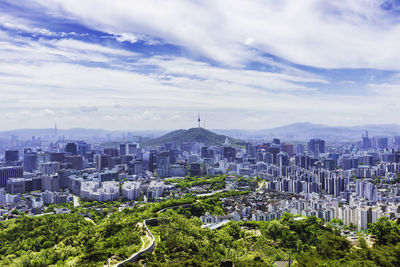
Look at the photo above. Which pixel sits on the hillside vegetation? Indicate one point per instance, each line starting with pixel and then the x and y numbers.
pixel 70 240
pixel 66 239
pixel 199 135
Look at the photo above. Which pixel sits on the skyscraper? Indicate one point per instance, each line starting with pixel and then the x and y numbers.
pixel 316 146
pixel 55 133
pixel 163 162
pixel 366 141
pixel 122 149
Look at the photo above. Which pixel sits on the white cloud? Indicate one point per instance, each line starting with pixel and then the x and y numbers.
pixel 22 25
pixel 75 45
pixel 335 34
pixel 43 80
pixel 17 49
pixel 147 102
pixel 391 89
pixel 123 37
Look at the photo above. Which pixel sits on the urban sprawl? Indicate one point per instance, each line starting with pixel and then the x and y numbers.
pixel 354 182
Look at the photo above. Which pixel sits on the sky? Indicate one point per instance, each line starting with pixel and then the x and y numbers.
pixel 156 64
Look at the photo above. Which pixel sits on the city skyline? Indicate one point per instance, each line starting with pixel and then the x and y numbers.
pixel 199 133
pixel 108 65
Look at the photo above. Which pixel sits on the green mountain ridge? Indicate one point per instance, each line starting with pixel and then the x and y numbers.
pixel 199 135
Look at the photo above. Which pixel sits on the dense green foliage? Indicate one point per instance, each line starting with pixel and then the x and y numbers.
pixel 215 182
pixel 386 232
pixel 385 252
pixel 73 240
pixel 212 204
pixel 66 239
pixel 182 242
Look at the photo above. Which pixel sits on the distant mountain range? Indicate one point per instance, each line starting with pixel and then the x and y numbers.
pixel 198 135
pixel 305 131
pixel 79 134
pixel 292 132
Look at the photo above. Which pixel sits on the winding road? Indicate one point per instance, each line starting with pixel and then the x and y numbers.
pixel 144 249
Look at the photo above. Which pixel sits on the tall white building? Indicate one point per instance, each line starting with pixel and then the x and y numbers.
pixel 108 191
pixel 155 189
pixel 2 195
pixel 131 190
pixel 362 218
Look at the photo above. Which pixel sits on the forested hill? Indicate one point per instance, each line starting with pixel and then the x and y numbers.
pixel 72 240
pixel 199 135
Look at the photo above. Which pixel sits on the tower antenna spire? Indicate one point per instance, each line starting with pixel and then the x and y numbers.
pixel 55 132
pixel 198 120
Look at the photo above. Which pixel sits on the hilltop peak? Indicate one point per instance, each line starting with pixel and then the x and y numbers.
pixel 199 135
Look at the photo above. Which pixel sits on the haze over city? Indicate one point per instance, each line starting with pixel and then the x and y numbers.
pixel 124 65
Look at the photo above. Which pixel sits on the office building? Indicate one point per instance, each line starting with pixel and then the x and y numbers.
pixel 57 157
pixel 71 148
pixel 49 168
pixel 315 147
pixel 177 170
pixel 195 169
pixel 16 185
pixel 11 155
pixel 113 152
pixel 50 183
pixel 122 149
pixel 103 162
pixel 30 161
pixel 148 161
pixel 163 163
pixel 10 172
pixel 74 162
pixel 135 167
